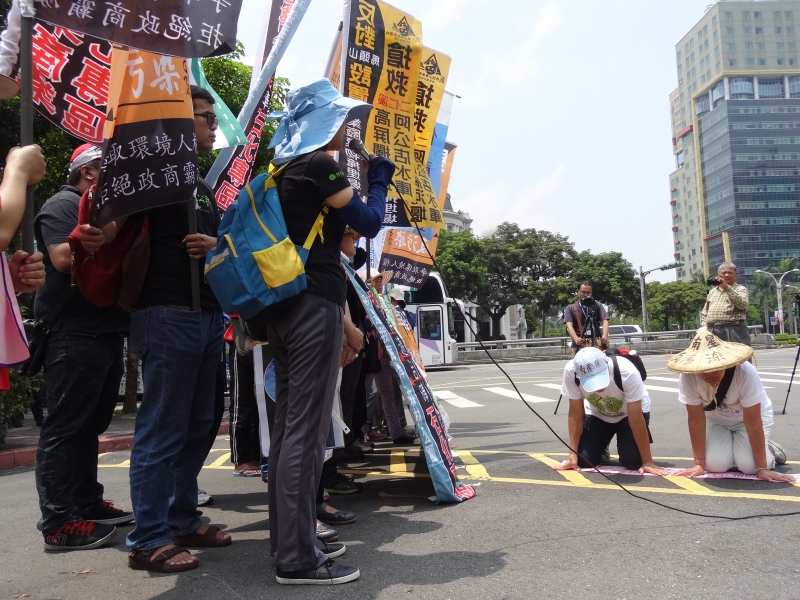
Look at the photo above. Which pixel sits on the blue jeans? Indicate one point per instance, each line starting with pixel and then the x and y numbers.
pixel 179 350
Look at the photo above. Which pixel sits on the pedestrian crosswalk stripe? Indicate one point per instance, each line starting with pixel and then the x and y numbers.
pixel 672 379
pixel 455 400
pixel 658 388
pixel 552 386
pixel 779 374
pixel 774 380
pixel 512 394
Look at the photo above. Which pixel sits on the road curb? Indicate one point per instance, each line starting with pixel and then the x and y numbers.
pixel 21 457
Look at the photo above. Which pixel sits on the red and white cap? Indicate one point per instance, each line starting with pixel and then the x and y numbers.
pixel 83 155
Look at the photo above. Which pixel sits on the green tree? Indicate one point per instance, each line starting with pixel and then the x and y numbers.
pixel 675 301
pixel 549 296
pixel 614 280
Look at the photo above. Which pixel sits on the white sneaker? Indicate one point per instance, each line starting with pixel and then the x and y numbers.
pixel 778 451
pixel 203 498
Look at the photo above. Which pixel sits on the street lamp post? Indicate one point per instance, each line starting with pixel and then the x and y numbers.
pixel 794 317
pixel 779 288
pixel 642 275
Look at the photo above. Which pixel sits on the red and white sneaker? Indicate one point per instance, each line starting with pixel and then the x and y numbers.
pixel 105 513
pixel 80 535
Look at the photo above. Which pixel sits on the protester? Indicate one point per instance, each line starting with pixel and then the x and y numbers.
pixel 586 322
pixel 243 411
pixel 24 167
pixel 83 368
pixel 725 310
pixel 730 414
pixel 307 339
pixel 180 349
pixel 398 298
pixel 623 410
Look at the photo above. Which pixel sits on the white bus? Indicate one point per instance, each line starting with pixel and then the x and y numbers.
pixel 437 319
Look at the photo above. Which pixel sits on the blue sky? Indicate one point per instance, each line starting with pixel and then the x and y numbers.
pixel 563 122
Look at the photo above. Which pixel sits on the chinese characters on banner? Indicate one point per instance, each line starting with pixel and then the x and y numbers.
pixel 239 168
pixel 149 148
pixel 382 66
pixel 172 27
pixel 405 254
pixel 419 398
pixel 433 72
pixel 71 73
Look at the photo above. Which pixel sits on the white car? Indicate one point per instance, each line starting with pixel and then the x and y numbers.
pixel 619 330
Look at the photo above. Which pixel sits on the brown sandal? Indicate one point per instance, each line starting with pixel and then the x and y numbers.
pixel 141 560
pixel 204 540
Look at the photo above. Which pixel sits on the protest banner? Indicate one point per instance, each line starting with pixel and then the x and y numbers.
pixel 149 147
pixel 381 66
pixel 433 72
pixel 405 254
pixel 233 168
pixel 436 155
pixel 447 168
pixel 171 27
pixel 419 398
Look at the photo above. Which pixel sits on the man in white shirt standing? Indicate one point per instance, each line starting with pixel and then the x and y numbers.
pixel 610 389
pixel 730 414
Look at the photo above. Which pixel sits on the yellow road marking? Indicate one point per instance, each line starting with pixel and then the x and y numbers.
pixel 690 485
pixel 220 462
pixel 124 464
pixel 475 469
pixel 573 477
pixel 397 462
pixel 408 474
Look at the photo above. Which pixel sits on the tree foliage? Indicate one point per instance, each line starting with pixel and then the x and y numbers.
pixel 675 301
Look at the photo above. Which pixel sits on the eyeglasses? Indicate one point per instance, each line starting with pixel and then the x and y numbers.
pixel 210 118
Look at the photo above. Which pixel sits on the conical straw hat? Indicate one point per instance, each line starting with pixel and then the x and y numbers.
pixel 709 353
pixel 381 279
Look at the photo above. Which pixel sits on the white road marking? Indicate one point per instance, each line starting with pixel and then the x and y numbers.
pixel 775 380
pixel 552 386
pixel 780 374
pixel 455 400
pixel 510 393
pixel 658 388
pixel 672 379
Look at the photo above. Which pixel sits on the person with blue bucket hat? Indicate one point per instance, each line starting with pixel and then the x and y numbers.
pixel 306 335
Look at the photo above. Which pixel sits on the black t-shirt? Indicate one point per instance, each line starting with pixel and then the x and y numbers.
pixel 303 187
pixel 169 280
pixel 52 226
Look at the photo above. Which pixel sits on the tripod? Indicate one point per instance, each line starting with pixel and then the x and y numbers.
pixel 791 379
pixel 591 323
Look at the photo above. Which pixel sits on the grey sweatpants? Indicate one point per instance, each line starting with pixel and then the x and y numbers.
pixel 307 344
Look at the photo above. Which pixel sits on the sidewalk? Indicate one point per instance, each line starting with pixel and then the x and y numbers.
pixel 20 448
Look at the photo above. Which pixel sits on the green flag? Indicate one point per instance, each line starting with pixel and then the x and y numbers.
pixel 230 133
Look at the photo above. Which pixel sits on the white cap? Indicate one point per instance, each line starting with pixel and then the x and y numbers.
pixel 591 368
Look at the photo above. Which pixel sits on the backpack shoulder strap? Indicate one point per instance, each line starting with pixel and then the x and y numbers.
pixel 617 374
pixel 576 313
pixel 722 389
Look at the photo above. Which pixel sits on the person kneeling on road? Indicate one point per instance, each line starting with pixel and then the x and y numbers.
pixel 730 414
pixel 611 389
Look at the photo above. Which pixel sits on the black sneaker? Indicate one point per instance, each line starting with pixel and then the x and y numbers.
pixel 106 513
pixel 328 573
pixel 80 535
pixel 331 550
pixel 325 533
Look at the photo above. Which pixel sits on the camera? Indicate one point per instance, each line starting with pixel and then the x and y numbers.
pixel 588 302
pixel 712 281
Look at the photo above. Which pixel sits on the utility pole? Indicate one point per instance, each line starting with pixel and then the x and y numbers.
pixel 642 275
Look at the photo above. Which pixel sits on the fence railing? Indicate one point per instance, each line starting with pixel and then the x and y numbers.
pixel 564 341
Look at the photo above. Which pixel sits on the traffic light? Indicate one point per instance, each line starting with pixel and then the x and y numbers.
pixel 674 265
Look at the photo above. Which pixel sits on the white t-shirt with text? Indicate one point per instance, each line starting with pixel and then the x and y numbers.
pixel 611 404
pixel 746 390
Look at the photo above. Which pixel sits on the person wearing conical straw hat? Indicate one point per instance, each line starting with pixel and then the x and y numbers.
pixel 730 414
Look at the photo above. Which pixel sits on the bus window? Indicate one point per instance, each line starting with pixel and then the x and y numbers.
pixel 430 324
pixel 430 293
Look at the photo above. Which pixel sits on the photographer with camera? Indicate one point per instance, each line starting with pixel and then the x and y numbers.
pixel 725 310
pixel 584 319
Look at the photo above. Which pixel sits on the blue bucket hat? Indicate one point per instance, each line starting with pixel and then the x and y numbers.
pixel 313 115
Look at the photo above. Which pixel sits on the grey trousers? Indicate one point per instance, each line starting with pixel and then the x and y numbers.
pixel 733 333
pixel 307 344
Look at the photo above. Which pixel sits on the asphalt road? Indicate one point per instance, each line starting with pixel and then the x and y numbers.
pixel 530 532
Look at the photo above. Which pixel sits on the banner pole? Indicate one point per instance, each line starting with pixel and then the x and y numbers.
pixel 26 114
pixel 195 276
pixel 332 54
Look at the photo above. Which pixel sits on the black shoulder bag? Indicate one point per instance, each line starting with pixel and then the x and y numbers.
pixel 37 335
pixel 722 390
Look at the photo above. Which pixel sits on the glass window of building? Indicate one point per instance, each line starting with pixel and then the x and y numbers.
pixel 771 88
pixel 731 62
pixel 745 15
pixel 715 35
pixel 777 14
pixel 729 30
pixel 781 61
pixel 750 62
pixel 678 55
pixel 790 45
pixel 788 14
pixel 790 30
pixel 757 15
pixel 705 44
pixel 731 46
pixel 714 20
pixel 793 61
pixel 760 46
pixel 762 62
pixel 694 70
pixel 759 30
pixel 777 30
pixel 748 46
pixel 779 46
pixel 718 67
pixel 747 30
pixel 728 15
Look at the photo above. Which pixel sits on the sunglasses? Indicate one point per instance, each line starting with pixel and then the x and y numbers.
pixel 210 118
